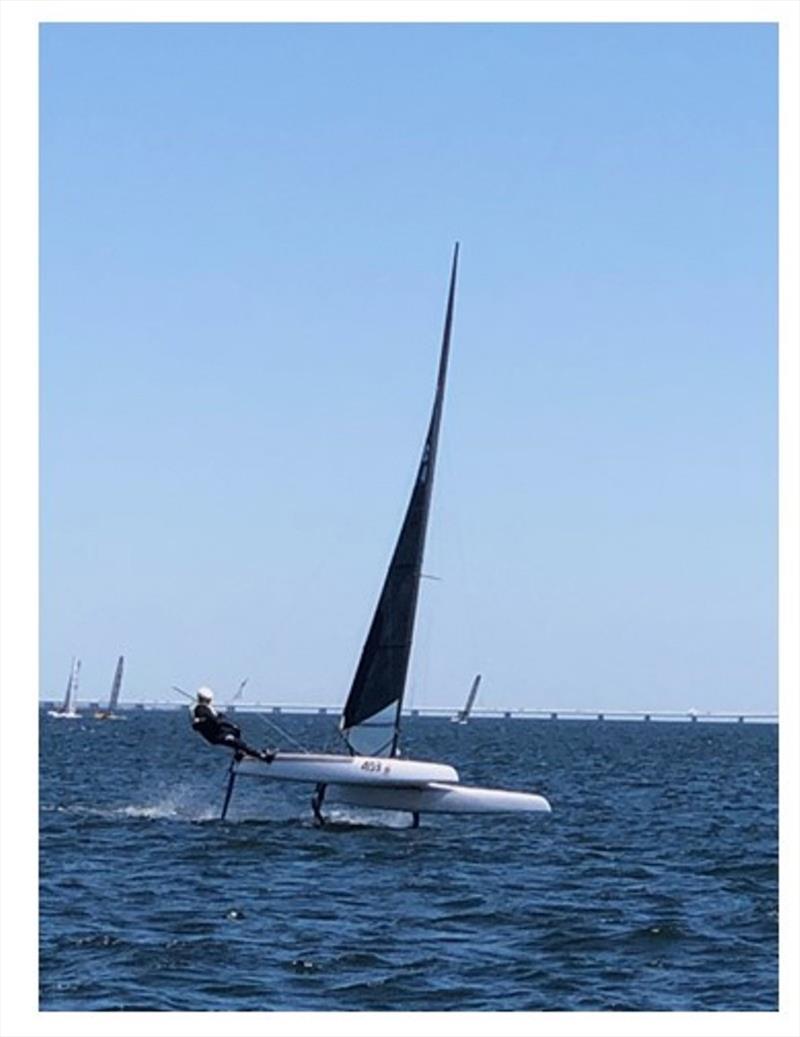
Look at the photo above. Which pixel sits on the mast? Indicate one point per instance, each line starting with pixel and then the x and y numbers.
pixel 371 717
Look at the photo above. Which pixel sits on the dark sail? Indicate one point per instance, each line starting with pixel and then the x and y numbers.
pixel 117 684
pixel 370 721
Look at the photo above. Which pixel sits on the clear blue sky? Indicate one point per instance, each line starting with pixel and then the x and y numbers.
pixel 245 240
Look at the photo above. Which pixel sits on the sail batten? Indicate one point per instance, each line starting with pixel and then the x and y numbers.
pixel 376 694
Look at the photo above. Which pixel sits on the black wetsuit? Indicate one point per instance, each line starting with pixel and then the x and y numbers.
pixel 218 730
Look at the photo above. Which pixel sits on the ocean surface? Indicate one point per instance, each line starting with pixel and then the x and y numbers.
pixel 653 885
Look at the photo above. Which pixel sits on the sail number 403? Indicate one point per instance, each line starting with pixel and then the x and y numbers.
pixel 372 766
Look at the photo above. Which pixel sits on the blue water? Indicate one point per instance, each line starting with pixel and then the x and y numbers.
pixel 652 886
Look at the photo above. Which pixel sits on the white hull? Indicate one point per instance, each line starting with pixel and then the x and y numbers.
pixel 322 768
pixel 438 798
pixel 63 716
pixel 382 783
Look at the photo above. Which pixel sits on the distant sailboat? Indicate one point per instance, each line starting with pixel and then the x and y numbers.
pixel 67 709
pixel 116 684
pixel 463 714
pixel 374 775
pixel 231 707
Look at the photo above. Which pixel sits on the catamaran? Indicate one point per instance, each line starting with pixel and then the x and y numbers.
pixel 67 709
pixel 116 684
pixel 371 773
pixel 462 716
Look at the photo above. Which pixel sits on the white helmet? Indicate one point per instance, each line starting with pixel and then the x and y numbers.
pixel 205 695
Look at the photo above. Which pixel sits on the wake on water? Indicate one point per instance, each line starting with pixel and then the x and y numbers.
pixel 352 817
pixel 181 804
pixel 177 804
pixel 653 888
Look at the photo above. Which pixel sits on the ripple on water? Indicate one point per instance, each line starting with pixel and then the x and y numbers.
pixel 652 886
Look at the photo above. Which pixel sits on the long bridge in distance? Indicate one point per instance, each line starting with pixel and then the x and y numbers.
pixel 522 713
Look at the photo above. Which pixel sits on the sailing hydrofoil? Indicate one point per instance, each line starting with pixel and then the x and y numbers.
pixel 372 774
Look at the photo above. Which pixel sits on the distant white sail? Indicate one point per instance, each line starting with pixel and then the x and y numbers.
pixel 463 714
pixel 67 707
pixel 116 685
pixel 73 694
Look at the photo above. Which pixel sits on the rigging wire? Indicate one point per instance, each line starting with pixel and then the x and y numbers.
pixel 284 734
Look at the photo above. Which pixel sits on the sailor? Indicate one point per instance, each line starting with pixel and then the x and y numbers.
pixel 218 730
